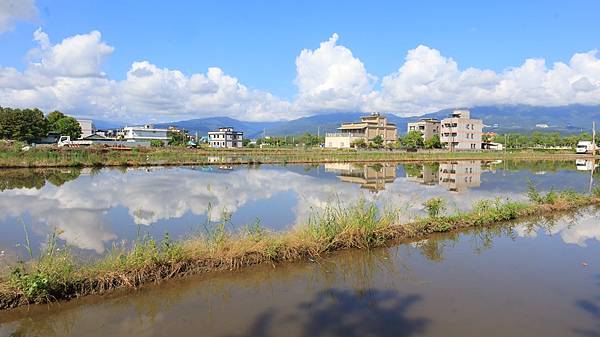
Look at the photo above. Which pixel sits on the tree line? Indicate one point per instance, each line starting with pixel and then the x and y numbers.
pixel 539 139
pixel 30 125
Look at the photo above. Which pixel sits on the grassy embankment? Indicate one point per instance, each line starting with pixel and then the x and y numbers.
pixel 57 275
pixel 13 156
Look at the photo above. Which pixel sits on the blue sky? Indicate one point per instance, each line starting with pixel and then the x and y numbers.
pixel 258 42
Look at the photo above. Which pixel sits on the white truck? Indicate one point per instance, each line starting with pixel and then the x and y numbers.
pixel 585 147
pixel 66 141
pixel 114 144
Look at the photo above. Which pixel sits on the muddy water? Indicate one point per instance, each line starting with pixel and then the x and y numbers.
pixel 540 278
pixel 92 210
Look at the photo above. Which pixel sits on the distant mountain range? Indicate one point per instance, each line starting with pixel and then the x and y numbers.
pixel 510 118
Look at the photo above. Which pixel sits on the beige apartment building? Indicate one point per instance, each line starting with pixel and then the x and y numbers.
pixel 368 128
pixel 428 127
pixel 460 132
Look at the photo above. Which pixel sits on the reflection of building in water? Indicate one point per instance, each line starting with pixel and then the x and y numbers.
pixel 585 165
pixel 369 176
pixel 458 176
pixel 426 174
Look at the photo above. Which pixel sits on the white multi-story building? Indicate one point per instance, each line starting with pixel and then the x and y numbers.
pixel 428 127
pixel 460 132
pixel 145 133
pixel 87 127
pixel 225 137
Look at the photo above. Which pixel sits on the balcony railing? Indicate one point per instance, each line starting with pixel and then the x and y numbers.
pixel 345 134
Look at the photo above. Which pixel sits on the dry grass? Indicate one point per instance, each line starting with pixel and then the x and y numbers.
pixel 56 275
pixel 97 156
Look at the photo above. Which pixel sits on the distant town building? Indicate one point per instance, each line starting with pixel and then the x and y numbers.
pixel 542 126
pixel 428 127
pixel 144 133
pixel 225 137
pixel 460 132
pixel 87 127
pixel 367 129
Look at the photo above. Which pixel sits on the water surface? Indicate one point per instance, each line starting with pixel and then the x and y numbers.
pixel 92 210
pixel 540 278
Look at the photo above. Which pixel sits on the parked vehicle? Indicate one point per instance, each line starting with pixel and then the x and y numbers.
pixel 584 147
pixel 66 141
pixel 112 144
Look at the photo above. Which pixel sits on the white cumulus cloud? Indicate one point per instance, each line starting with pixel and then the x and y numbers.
pixel 69 76
pixel 331 78
pixel 16 10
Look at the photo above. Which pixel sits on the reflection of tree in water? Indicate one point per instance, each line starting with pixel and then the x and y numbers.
pixel 357 268
pixel 340 312
pixel 36 178
pixel 591 307
pixel 549 222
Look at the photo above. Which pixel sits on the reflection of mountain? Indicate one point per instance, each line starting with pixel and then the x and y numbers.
pixel 370 176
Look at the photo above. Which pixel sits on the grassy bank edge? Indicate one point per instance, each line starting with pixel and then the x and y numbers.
pixel 99 157
pixel 57 276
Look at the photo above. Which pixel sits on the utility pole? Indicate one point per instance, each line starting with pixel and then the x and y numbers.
pixel 593 155
pixel 594 139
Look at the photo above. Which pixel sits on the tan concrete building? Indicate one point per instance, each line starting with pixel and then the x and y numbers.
pixel 428 127
pixel 368 128
pixel 460 132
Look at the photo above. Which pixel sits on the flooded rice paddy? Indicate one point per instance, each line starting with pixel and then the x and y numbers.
pixel 93 210
pixel 540 278
pixel 535 278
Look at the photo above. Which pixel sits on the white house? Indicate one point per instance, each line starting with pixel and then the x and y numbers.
pixel 225 137
pixel 144 133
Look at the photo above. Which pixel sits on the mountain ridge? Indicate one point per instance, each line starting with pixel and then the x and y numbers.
pixel 498 118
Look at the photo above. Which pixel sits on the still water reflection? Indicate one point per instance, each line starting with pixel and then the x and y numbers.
pixel 95 209
pixel 512 280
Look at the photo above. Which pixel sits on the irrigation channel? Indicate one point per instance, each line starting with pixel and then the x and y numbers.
pixel 530 278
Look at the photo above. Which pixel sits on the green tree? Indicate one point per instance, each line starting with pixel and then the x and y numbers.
pixel 245 141
pixel 433 142
pixel 177 138
pixel 27 125
pixel 156 143
pixel 377 141
pixel 359 144
pixel 54 117
pixel 67 126
pixel 413 139
pixel 63 125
